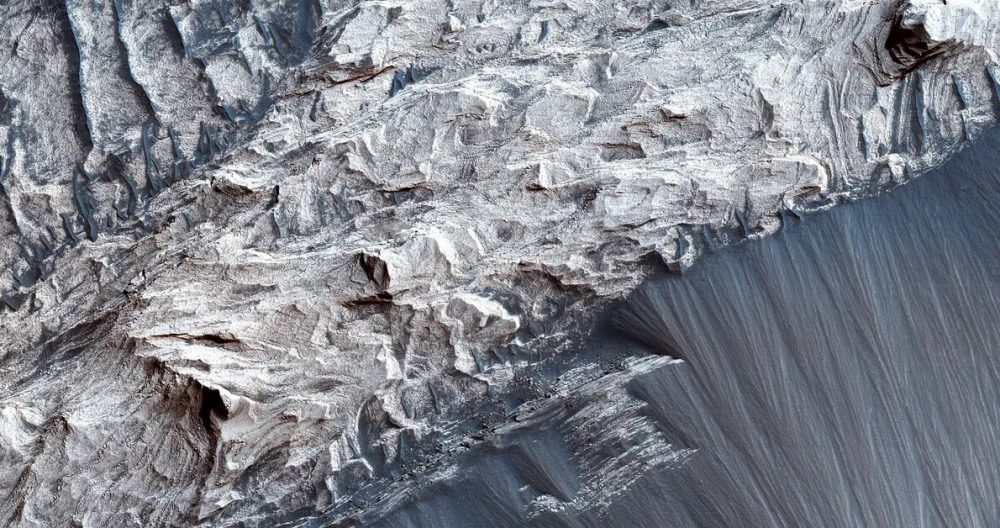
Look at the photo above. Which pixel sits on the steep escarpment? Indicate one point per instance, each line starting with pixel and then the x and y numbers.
pixel 264 254
pixel 841 373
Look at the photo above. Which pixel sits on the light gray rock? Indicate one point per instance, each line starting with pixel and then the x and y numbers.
pixel 260 253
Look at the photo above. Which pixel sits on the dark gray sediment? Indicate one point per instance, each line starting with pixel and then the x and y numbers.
pixel 845 372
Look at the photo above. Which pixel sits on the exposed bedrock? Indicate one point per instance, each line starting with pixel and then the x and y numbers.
pixel 258 256
pixel 842 373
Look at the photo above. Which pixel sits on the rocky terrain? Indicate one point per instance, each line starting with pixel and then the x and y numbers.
pixel 269 262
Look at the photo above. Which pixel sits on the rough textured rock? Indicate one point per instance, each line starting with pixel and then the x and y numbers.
pixel 264 259
pixel 822 377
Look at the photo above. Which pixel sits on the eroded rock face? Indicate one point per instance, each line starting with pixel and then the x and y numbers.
pixel 261 255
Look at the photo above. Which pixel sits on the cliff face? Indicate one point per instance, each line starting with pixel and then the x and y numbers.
pixel 841 373
pixel 265 260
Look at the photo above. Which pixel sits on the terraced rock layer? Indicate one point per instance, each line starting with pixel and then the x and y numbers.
pixel 263 260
